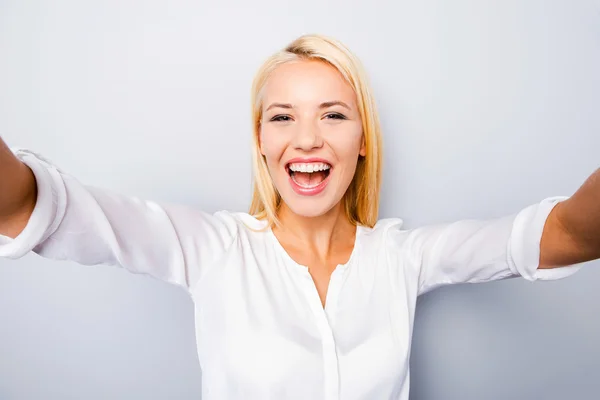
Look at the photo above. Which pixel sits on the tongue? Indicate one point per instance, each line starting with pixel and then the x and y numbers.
pixel 309 179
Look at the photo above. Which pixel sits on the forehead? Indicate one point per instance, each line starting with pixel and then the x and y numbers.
pixel 307 83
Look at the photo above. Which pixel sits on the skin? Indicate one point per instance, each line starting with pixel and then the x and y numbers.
pixel 298 122
pixel 18 193
pixel 572 231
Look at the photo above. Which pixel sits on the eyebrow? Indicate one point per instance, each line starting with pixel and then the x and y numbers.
pixel 326 104
pixel 279 105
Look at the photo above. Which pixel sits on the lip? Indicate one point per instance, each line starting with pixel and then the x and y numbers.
pixel 314 190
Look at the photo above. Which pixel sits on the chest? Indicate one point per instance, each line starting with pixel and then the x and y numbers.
pixel 263 327
pixel 320 270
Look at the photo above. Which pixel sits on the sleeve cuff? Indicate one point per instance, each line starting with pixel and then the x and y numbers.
pixel 524 244
pixel 47 213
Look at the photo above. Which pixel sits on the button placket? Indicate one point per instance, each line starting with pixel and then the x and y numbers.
pixel 330 361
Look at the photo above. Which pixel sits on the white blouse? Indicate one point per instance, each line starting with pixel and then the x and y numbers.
pixel 261 330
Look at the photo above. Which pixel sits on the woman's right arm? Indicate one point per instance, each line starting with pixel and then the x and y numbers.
pixel 66 220
pixel 18 193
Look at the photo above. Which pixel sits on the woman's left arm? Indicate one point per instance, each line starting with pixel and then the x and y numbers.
pixel 572 231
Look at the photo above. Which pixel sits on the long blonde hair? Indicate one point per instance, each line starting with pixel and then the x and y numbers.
pixel 361 200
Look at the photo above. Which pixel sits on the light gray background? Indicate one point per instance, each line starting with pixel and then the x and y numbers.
pixel 487 107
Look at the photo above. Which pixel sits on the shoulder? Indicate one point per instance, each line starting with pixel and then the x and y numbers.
pixel 389 245
pixel 382 233
pixel 242 223
pixel 217 229
pixel 383 227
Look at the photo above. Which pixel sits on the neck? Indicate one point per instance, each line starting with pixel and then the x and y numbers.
pixel 322 233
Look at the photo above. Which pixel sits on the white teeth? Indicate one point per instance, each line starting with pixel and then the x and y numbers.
pixel 309 167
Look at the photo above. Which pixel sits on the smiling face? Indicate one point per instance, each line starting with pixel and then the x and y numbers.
pixel 311 135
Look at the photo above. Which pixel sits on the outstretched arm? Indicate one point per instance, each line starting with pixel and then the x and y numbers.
pixel 18 193
pixel 68 220
pixel 572 232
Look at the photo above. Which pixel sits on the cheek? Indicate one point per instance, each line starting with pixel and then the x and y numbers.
pixel 347 146
pixel 272 146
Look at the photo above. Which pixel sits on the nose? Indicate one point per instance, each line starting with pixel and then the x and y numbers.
pixel 308 137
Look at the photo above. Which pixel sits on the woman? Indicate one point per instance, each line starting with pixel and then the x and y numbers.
pixel 307 296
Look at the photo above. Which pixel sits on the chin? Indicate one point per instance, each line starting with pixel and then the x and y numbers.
pixel 308 207
pixel 310 211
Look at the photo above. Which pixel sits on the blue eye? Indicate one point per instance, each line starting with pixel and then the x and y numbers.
pixel 283 118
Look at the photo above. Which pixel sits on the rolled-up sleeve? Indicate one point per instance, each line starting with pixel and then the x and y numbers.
pixel 472 251
pixel 524 243
pixel 93 226
pixel 48 212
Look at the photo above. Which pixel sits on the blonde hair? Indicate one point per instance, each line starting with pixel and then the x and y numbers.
pixel 361 200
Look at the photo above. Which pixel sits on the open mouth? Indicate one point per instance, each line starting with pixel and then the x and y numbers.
pixel 308 175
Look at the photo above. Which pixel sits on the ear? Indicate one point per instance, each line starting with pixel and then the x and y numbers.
pixel 363 147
